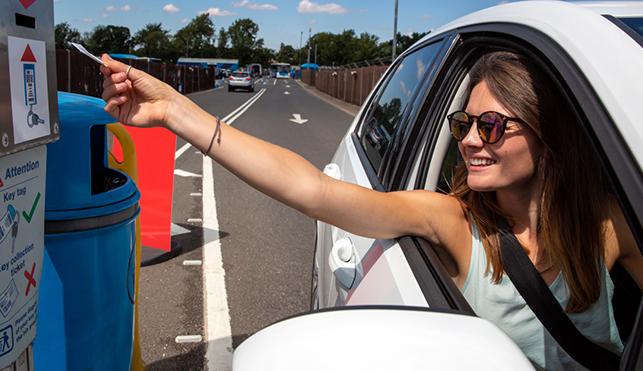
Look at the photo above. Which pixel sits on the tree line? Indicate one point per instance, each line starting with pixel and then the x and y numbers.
pixel 200 39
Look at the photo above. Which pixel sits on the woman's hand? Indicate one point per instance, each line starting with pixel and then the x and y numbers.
pixel 136 98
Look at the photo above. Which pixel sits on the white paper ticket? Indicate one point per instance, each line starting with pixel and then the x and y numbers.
pixel 90 55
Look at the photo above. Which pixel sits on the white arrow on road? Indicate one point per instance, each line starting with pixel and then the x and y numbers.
pixel 298 119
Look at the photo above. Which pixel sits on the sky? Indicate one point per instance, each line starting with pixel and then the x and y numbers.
pixel 280 21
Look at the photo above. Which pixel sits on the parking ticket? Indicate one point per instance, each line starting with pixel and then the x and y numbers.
pixel 90 55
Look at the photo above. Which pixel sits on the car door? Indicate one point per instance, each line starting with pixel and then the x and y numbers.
pixel 367 156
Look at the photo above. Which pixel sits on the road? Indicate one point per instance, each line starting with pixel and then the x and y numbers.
pixel 266 249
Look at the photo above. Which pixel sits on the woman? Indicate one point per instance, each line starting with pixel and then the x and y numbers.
pixel 531 166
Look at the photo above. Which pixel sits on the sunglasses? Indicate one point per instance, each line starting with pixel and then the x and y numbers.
pixel 491 125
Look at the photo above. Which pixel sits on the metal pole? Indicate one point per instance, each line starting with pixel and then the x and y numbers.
pixel 308 63
pixel 300 37
pixel 395 32
pixel 315 50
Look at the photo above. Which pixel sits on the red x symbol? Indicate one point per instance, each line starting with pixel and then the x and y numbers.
pixel 29 276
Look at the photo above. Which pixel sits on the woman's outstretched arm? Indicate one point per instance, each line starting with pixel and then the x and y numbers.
pixel 137 99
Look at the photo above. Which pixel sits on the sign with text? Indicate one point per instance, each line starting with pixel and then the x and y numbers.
pixel 22 226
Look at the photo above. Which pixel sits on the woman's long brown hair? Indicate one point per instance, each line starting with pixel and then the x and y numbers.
pixel 573 202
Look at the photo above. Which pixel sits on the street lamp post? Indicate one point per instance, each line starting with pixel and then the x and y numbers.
pixel 300 37
pixel 315 50
pixel 308 63
pixel 395 32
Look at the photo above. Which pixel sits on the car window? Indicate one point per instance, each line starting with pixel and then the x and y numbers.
pixel 386 114
pixel 240 74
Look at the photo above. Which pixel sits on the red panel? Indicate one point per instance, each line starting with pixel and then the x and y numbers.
pixel 155 150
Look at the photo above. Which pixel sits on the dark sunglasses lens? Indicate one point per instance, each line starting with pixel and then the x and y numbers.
pixel 490 127
pixel 459 122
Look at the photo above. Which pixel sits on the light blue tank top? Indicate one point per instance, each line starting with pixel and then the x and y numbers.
pixel 502 305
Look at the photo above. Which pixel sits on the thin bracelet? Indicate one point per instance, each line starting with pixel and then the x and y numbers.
pixel 216 131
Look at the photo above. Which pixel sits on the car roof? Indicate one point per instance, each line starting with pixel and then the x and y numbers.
pixel 611 60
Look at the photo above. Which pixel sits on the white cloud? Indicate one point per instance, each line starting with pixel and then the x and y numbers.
pixel 254 6
pixel 242 3
pixel 170 8
pixel 307 7
pixel 185 20
pixel 427 16
pixel 315 22
pixel 111 8
pixel 217 12
pixel 126 8
pixel 88 20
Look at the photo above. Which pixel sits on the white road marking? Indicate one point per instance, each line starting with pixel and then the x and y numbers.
pixel 297 119
pixel 217 316
pixel 195 220
pixel 186 174
pixel 228 119
pixel 176 230
pixel 239 111
pixel 188 339
pixel 197 194
pixel 192 262
pixel 181 150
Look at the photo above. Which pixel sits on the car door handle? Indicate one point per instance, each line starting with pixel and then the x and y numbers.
pixel 332 170
pixel 342 262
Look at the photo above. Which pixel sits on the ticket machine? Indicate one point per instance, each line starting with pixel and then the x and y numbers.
pixel 28 120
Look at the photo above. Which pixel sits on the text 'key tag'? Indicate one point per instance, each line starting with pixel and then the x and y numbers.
pixel 90 55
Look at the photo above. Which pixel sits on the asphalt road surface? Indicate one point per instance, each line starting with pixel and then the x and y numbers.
pixel 266 249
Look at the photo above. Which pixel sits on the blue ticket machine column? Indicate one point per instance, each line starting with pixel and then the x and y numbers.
pixel 28 120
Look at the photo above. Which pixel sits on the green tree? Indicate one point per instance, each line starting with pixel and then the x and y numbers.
pixel 243 40
pixel 222 43
pixel 153 41
pixel 287 54
pixel 196 40
pixel 403 42
pixel 109 39
pixel 366 48
pixel 65 35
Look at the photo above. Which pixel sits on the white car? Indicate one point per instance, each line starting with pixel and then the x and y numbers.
pixel 391 304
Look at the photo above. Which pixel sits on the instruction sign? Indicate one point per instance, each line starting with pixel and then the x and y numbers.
pixel 22 225
pixel 29 90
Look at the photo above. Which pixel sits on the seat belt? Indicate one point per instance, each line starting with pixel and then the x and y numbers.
pixel 541 300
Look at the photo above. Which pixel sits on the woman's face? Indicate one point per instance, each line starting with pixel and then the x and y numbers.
pixel 509 164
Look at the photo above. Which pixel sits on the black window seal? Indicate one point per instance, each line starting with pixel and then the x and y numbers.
pixel 625 28
pixel 366 162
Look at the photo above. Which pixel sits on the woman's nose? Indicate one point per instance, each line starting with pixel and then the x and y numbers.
pixel 472 138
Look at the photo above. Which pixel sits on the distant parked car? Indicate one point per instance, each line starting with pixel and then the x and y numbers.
pixel 241 80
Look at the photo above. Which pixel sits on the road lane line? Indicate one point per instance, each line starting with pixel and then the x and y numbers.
pixel 239 111
pixel 228 119
pixel 217 316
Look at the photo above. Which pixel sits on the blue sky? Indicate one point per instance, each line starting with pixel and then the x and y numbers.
pixel 280 21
